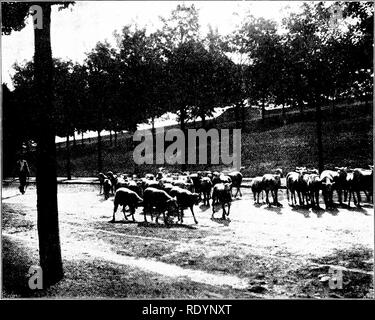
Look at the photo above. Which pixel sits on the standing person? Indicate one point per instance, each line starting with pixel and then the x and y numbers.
pixel 23 173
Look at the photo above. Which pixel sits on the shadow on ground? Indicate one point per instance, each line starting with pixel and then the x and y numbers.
pixel 16 264
pixel 316 279
pixel 163 226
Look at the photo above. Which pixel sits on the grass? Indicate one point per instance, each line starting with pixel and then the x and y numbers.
pixel 266 145
pixel 90 279
pixel 355 285
pixel 275 275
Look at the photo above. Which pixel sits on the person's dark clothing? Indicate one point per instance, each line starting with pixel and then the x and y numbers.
pixel 23 173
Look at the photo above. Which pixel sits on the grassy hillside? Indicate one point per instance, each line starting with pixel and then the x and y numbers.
pixel 276 142
pixel 345 143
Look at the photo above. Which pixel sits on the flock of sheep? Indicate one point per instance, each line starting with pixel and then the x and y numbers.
pixel 169 193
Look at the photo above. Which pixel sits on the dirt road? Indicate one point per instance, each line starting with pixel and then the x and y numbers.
pixel 258 252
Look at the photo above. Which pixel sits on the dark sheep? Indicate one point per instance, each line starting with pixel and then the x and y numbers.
pixel 363 181
pixel 340 182
pixel 101 177
pixel 121 183
pixel 349 188
pixel 184 184
pixel 221 194
pixel 236 179
pixel 136 187
pixel 185 199
pixel 113 179
pixel 206 187
pixel 126 197
pixel 107 187
pixel 327 185
pixel 196 179
pixel 152 184
pixel 221 178
pixel 167 187
pixel 160 201
pixel 257 188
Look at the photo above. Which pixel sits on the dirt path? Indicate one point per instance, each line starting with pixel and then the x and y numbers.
pixel 271 252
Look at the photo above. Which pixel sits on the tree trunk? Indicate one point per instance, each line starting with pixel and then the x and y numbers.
pixel 100 161
pixel 153 126
pixel 74 140
pixel 237 114
pixel 68 171
pixel 319 136
pixel 183 129
pixel 263 108
pixel 27 143
pixel 300 104
pixel 182 119
pixel 334 101
pixel 110 138
pixel 203 116
pixel 283 114
pixel 46 183
pixel 115 134
pixel 82 137
pixel 242 115
pixel 153 132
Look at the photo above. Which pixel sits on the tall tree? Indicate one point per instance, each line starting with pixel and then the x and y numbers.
pixel 64 105
pixel 235 45
pixel 263 47
pixel 141 67
pixel 102 81
pixel 13 15
pixel 179 29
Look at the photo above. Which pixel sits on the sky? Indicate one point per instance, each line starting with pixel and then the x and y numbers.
pixel 75 31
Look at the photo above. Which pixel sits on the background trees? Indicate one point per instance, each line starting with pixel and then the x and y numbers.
pixel 304 62
pixel 102 91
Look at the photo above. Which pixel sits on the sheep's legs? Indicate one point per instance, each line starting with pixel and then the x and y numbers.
pixel 114 212
pixel 123 210
pixel 145 208
pixel 192 212
pixel 267 200
pixel 181 216
pixel 224 213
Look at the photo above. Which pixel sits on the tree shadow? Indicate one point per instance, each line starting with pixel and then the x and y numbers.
pixel 16 264
pixel 222 221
